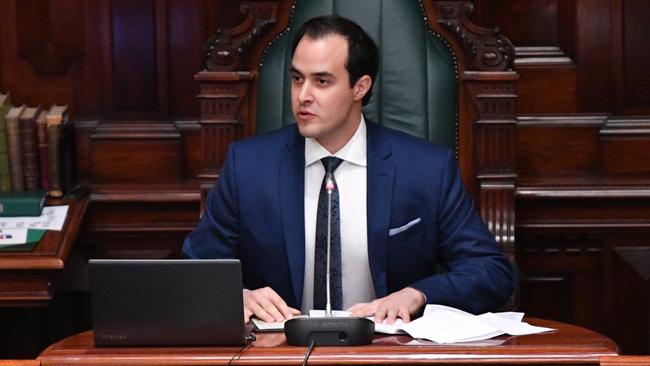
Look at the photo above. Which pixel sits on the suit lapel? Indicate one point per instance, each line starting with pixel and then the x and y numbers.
pixel 292 186
pixel 380 178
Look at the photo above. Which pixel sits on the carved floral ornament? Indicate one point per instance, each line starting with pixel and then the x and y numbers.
pixel 227 49
pixel 485 49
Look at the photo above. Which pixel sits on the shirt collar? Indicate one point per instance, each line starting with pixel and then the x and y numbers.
pixel 354 151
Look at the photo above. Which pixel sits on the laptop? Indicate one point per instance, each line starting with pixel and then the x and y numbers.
pixel 167 302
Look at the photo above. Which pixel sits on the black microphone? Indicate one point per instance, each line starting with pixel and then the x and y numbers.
pixel 328 330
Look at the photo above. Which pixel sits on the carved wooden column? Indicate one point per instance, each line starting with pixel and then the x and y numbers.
pixel 488 81
pixel 224 97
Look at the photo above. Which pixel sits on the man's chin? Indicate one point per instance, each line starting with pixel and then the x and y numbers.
pixel 306 130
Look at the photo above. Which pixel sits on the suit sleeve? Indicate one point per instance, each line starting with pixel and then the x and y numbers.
pixel 217 234
pixel 479 276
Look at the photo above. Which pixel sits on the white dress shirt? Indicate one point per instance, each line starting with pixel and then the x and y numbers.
pixel 351 180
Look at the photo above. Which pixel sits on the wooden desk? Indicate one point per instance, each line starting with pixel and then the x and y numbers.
pixel 25 277
pixel 569 344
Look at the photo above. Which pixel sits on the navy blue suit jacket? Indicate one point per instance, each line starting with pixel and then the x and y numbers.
pixel 256 213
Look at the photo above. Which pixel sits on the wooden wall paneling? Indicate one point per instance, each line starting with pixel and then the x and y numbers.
pixel 89 88
pixel 135 74
pixel 83 130
pixel 27 54
pixel 632 292
pixel 151 225
pixel 624 149
pixel 594 56
pixel 161 43
pixel 185 23
pixel 191 149
pixel 543 34
pixel 631 51
pixel 106 41
pixel 532 23
pixel 50 34
pixel 557 150
pixel 136 154
pixel 562 276
pixel 535 83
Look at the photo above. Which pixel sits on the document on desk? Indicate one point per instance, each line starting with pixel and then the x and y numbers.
pixel 52 218
pixel 444 324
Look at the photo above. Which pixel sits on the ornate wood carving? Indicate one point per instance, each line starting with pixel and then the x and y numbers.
pixel 493 95
pixel 485 49
pixel 221 99
pixel 498 211
pixel 228 49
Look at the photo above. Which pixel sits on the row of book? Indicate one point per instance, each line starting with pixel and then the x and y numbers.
pixel 36 148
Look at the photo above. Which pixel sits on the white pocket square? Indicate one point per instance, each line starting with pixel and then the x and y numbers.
pixel 397 230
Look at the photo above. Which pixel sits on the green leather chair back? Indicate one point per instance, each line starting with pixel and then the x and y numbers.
pixel 416 87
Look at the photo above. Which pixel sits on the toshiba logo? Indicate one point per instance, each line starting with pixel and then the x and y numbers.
pixel 113 336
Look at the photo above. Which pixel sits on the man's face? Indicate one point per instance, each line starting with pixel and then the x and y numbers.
pixel 324 104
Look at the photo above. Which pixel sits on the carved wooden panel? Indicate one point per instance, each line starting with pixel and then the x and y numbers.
pixel 134 55
pixel 630 266
pixel 122 155
pixel 541 30
pixel 562 277
pixel 534 86
pixel 625 148
pixel 557 147
pixel 50 34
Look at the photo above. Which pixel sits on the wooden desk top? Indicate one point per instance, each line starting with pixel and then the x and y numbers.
pixel 569 344
pixel 25 276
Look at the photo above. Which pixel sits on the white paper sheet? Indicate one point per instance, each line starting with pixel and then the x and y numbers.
pixel 13 236
pixel 443 324
pixel 52 218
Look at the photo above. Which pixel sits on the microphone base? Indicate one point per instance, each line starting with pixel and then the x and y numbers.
pixel 329 331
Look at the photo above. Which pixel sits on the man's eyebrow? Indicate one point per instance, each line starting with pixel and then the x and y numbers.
pixel 323 74
pixel 327 74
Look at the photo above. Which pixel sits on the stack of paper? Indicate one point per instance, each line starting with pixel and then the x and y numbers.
pixel 444 324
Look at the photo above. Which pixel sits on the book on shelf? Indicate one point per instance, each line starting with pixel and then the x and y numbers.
pixel 13 148
pixel 61 152
pixel 43 159
pixel 5 178
pixel 25 203
pixel 29 147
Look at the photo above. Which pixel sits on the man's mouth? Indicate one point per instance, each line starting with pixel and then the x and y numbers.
pixel 305 114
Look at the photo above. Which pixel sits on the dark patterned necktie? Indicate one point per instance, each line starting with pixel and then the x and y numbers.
pixel 320 252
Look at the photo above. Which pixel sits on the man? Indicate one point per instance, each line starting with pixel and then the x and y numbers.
pixel 400 207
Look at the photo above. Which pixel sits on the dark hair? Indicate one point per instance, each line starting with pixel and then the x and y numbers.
pixel 363 55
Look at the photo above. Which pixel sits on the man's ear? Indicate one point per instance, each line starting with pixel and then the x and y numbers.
pixel 361 87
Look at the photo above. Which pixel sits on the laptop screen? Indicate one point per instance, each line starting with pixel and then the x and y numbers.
pixel 143 302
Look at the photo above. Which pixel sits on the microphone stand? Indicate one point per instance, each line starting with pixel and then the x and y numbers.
pixel 329 330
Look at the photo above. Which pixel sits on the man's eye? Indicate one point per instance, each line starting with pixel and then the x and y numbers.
pixel 322 82
pixel 296 78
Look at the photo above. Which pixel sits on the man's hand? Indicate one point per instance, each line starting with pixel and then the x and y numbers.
pixel 267 305
pixel 401 304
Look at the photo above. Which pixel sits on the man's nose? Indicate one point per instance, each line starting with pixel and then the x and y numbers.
pixel 304 93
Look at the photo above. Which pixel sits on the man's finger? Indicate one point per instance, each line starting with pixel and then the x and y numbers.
pixel 285 311
pixel 391 315
pixel 404 315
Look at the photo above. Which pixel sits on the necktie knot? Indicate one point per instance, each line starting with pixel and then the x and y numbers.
pixel 331 163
